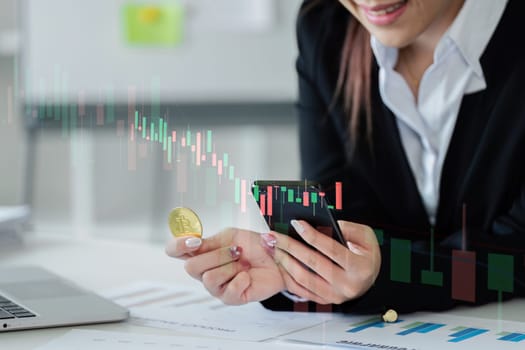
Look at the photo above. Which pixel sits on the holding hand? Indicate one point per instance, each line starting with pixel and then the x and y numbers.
pixel 333 273
pixel 232 265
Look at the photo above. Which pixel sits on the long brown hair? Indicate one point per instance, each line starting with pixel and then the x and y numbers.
pixel 354 79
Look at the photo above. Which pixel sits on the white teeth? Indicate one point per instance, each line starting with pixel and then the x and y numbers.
pixel 388 9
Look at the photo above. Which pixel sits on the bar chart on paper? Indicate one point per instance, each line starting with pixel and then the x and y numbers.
pixel 194 311
pixel 422 331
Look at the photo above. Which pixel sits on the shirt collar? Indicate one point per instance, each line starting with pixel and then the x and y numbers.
pixel 470 33
pixel 472 29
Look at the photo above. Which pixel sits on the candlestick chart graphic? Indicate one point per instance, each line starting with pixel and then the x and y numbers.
pixel 200 164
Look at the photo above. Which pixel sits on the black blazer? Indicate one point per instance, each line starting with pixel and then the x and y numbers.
pixel 484 167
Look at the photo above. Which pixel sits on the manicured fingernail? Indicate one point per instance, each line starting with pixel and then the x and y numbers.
pixel 353 248
pixel 269 240
pixel 297 226
pixel 235 251
pixel 193 242
pixel 245 265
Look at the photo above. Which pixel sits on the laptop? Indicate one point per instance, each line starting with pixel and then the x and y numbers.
pixel 31 297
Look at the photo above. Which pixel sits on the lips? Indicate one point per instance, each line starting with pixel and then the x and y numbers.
pixel 384 14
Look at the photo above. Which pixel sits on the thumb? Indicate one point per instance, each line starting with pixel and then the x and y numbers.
pixel 358 235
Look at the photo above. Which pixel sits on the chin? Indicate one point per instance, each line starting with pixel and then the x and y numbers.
pixel 392 40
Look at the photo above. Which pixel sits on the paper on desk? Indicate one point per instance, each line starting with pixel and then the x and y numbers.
pixel 88 340
pixel 192 310
pixel 421 331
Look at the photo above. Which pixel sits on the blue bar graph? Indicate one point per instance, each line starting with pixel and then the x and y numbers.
pixel 422 328
pixel 375 323
pixel 466 334
pixel 513 337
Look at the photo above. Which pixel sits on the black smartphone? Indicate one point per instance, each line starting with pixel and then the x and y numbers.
pixel 282 201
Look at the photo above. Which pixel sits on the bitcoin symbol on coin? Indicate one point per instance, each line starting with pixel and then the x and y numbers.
pixel 184 222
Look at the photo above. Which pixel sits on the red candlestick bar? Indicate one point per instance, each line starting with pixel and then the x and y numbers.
pixel 464 275
pixel 269 200
pixel 306 198
pixel 219 168
pixel 338 195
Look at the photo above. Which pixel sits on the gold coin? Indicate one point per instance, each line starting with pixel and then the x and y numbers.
pixel 390 316
pixel 184 222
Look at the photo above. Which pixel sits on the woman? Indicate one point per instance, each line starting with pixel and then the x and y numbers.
pixel 417 107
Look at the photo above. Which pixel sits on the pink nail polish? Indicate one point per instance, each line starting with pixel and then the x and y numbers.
pixel 235 252
pixel 269 240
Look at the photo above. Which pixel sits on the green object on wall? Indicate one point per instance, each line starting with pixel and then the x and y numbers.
pixel 153 25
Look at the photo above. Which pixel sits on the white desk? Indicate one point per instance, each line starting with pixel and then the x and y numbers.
pixel 94 264
pixel 103 264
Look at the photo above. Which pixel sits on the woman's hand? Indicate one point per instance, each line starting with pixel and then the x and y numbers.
pixel 336 273
pixel 232 265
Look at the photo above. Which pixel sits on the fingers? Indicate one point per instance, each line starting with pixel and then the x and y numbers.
pixel 215 280
pixel 196 266
pixel 361 236
pixel 311 285
pixel 183 247
pixel 295 288
pixel 360 241
pixel 328 270
pixel 322 258
pixel 235 291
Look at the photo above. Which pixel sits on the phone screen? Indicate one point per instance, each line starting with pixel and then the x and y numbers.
pixel 282 201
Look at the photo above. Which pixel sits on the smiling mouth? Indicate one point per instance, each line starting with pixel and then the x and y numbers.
pixel 386 9
pixel 383 15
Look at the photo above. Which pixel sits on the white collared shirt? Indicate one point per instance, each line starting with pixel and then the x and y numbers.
pixel 426 126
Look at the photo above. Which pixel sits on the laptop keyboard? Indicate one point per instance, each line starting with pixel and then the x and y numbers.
pixel 9 309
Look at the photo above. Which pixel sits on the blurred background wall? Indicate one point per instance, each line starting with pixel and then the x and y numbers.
pixel 227 67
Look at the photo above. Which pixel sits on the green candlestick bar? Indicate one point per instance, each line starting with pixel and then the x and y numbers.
pixel 501 273
pixel 208 141
pixel 400 260
pixel 188 138
pixel 313 198
pixel 152 132
pixel 432 277
pixel 161 125
pixel 290 196
pixel 165 138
